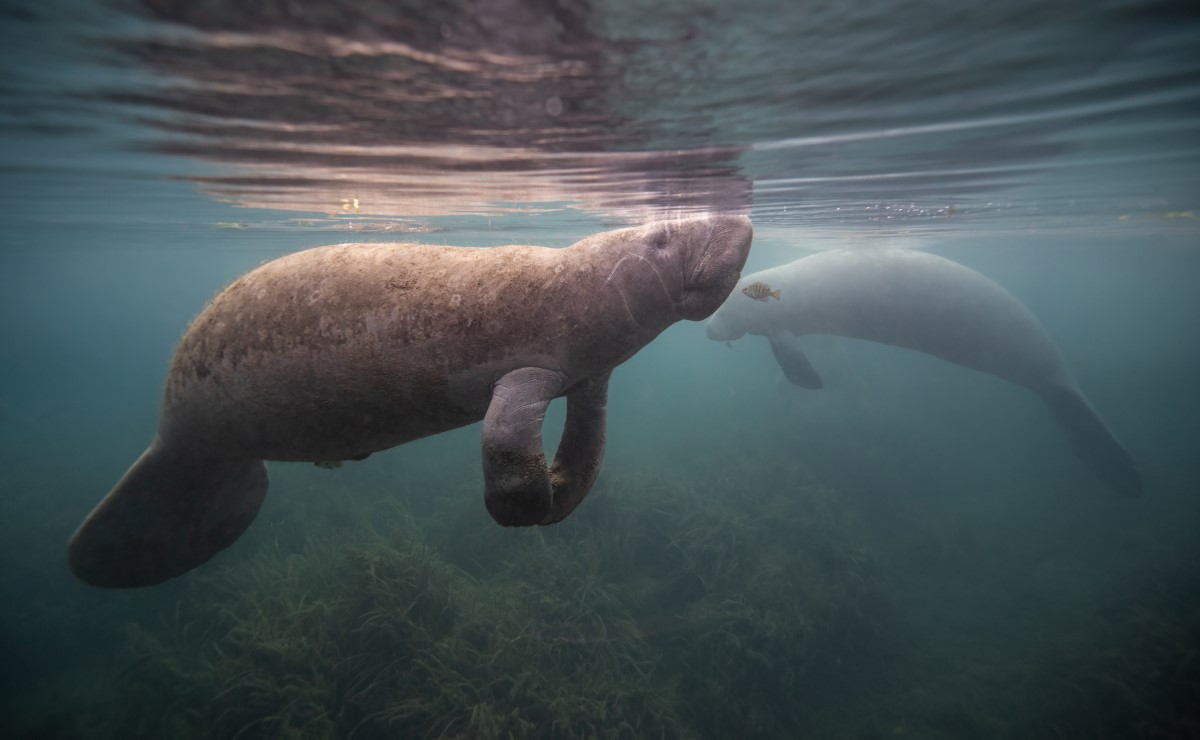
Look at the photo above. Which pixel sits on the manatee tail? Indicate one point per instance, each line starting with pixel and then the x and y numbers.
pixel 1092 439
pixel 171 512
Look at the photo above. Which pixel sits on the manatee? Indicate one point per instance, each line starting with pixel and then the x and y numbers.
pixel 918 300
pixel 337 352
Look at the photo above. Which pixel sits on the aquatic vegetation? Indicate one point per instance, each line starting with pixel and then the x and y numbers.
pixel 660 609
pixel 760 590
pixel 381 638
pixel 744 588
pixel 1139 677
pixel 666 607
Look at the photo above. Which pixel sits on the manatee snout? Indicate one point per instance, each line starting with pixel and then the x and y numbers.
pixel 720 250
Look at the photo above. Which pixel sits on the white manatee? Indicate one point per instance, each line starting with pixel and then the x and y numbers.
pixel 918 300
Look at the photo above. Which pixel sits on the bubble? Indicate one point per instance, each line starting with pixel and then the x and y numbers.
pixel 554 106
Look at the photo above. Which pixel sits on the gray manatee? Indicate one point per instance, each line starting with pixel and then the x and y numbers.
pixel 918 300
pixel 334 353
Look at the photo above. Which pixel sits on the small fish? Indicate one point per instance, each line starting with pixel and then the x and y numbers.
pixel 328 464
pixel 760 291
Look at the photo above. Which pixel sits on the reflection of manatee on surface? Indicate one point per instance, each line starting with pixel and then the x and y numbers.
pixel 927 303
pixel 458 106
pixel 337 352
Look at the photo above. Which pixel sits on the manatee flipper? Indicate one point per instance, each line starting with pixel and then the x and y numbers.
pixel 581 448
pixel 1092 439
pixel 791 358
pixel 516 480
pixel 171 512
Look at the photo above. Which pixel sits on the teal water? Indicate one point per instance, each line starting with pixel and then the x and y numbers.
pixel 913 551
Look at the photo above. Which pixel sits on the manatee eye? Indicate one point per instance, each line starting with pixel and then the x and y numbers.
pixel 658 240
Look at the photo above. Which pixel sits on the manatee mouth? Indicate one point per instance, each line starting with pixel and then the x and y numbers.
pixel 699 301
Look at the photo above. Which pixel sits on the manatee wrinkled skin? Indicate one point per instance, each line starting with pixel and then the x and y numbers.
pixel 334 353
pixel 908 298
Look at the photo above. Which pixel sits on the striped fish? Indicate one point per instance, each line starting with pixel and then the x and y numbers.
pixel 760 291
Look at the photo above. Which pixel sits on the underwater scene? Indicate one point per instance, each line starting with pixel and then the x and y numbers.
pixel 600 369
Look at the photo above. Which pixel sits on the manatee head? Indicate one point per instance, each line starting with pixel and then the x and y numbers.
pixel 672 270
pixel 712 251
pixel 692 263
